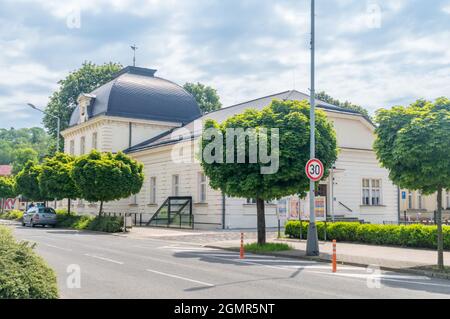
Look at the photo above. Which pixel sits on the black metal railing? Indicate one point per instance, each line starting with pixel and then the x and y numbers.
pixel 176 211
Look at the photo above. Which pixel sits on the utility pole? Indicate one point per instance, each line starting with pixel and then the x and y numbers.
pixel 312 244
pixel 58 122
pixel 134 48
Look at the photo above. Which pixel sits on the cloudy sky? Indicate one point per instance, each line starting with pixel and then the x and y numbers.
pixel 376 53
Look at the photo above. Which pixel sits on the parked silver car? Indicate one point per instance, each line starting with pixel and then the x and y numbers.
pixel 39 216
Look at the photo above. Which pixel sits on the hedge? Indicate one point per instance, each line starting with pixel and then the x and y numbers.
pixel 12 215
pixel 109 224
pixel 23 274
pixel 418 236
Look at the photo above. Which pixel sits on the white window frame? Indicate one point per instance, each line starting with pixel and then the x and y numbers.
pixel 202 187
pixel 72 147
pixel 133 199
pixel 371 189
pixel 176 185
pixel 82 145
pixel 94 140
pixel 419 200
pixel 153 190
pixel 410 200
pixel 448 200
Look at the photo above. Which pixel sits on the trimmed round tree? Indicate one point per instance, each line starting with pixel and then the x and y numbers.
pixel 6 190
pixel 237 171
pixel 27 182
pixel 413 143
pixel 103 177
pixel 56 179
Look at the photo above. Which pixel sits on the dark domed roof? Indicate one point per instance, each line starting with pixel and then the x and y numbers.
pixel 137 93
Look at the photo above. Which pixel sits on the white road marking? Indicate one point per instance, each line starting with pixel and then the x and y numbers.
pixel 179 277
pixel 105 259
pixel 57 247
pixel 396 278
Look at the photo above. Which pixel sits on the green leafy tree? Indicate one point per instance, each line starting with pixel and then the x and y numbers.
pixel 21 156
pixel 413 143
pixel 84 80
pixel 56 180
pixel 27 182
pixel 6 189
pixel 102 177
pixel 245 179
pixel 12 140
pixel 206 97
pixel 346 105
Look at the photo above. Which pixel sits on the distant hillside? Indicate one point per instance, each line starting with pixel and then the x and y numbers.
pixel 12 140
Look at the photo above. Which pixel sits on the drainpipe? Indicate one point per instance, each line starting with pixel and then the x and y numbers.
pixel 129 134
pixel 223 211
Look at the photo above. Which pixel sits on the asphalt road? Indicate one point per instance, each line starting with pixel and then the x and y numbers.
pixel 118 267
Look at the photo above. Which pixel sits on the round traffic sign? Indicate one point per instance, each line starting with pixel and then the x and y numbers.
pixel 314 170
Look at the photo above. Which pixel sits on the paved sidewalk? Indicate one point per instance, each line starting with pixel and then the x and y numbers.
pixel 392 258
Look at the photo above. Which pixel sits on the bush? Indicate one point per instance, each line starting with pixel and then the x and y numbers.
pixel 23 274
pixel 12 215
pixel 419 236
pixel 107 224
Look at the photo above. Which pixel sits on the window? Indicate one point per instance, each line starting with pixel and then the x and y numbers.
pixel 419 200
pixel 152 190
pixel 201 187
pixel 251 201
pixel 72 147
pixel 175 185
pixel 448 200
pixel 82 145
pixel 94 140
pixel 371 192
pixel 410 196
pixel 133 199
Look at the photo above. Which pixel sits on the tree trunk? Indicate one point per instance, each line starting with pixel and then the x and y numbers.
pixel 101 209
pixel 3 205
pixel 440 238
pixel 68 206
pixel 261 221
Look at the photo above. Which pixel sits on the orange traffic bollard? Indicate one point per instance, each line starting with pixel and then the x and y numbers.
pixel 334 256
pixel 241 252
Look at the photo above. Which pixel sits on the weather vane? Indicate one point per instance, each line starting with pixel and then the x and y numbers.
pixel 134 48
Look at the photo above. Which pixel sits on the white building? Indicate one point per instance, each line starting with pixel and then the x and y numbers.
pixel 156 122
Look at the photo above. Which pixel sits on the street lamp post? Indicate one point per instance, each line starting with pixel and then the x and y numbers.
pixel 312 244
pixel 58 120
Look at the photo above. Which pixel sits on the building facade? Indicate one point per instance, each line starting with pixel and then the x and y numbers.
pixel 159 124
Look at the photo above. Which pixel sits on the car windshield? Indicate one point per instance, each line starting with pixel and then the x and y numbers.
pixel 47 210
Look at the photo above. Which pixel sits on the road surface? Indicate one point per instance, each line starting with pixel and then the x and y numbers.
pixel 95 265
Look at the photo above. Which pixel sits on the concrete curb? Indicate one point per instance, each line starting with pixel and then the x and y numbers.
pixel 323 259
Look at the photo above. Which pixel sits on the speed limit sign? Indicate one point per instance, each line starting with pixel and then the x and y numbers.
pixel 314 169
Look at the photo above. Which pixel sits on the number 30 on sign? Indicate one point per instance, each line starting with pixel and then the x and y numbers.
pixel 314 170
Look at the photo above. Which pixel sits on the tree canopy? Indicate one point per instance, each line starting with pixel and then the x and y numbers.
pixel 346 105
pixel 105 177
pixel 27 182
pixel 55 178
pixel 206 97
pixel 12 141
pixel 21 156
pixel 84 80
pixel 413 143
pixel 6 187
pixel 246 179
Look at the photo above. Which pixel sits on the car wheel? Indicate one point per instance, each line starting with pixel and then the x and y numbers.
pixel 23 224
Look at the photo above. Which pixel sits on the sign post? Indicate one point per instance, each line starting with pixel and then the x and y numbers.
pixel 314 170
pixel 312 244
